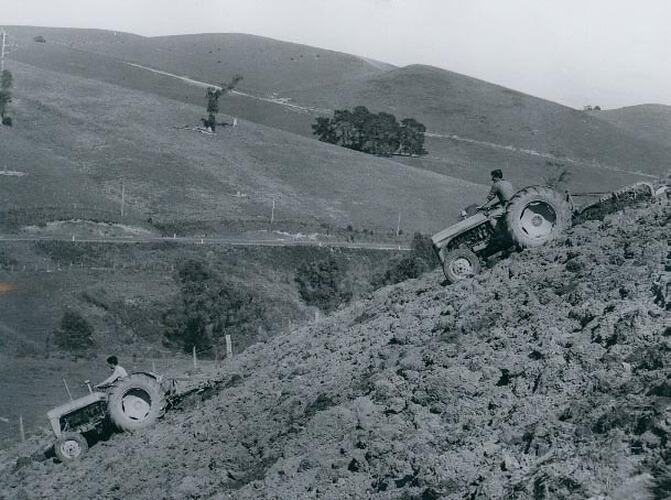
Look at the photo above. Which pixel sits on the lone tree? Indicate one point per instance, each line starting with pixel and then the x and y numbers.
pixel 74 332
pixel 6 83
pixel 323 284
pixel 213 94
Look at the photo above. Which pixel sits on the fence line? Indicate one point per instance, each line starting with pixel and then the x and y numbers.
pixel 15 215
pixel 46 269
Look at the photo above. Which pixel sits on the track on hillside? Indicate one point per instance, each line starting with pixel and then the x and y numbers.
pixel 453 137
pixel 214 241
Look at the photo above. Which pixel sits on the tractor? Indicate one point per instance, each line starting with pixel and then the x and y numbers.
pixel 532 217
pixel 132 403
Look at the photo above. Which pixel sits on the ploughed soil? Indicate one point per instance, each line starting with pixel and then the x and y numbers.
pixel 548 376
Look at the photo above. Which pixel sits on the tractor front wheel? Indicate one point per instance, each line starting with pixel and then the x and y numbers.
pixel 460 264
pixel 70 446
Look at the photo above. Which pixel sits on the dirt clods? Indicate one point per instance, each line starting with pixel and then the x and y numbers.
pixel 548 376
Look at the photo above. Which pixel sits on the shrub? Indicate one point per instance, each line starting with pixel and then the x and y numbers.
pixel 323 284
pixel 421 259
pixel 75 332
pixel 7 121
pixel 211 308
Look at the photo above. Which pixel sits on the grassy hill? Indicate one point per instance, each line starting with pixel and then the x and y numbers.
pixel 77 139
pixel 268 66
pixel 478 126
pixel 651 122
pixel 450 104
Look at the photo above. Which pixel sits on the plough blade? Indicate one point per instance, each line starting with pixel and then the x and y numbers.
pixel 617 200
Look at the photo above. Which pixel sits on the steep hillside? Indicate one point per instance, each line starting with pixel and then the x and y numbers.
pixel 651 122
pixel 125 291
pixel 544 377
pixel 78 139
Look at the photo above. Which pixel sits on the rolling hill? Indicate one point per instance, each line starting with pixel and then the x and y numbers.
pixel 268 66
pixel 650 122
pixel 76 139
pixel 464 110
pixel 475 126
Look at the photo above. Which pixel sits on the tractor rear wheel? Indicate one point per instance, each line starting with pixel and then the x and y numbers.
pixel 70 446
pixel 460 264
pixel 135 403
pixel 536 215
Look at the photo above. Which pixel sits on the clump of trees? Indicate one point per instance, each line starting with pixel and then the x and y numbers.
pixel 323 284
pixel 374 133
pixel 74 333
pixel 213 94
pixel 421 259
pixel 6 83
pixel 210 307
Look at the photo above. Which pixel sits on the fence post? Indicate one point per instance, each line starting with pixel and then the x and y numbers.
pixel 22 431
pixel 67 389
pixel 195 359
pixel 153 366
pixel 229 347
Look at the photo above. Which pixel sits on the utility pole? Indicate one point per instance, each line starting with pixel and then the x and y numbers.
pixel 272 214
pixel 3 50
pixel 6 47
pixel 123 197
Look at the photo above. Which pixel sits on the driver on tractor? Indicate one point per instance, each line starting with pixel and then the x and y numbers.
pixel 118 373
pixel 501 189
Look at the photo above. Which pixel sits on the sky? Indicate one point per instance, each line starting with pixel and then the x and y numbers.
pixel 611 53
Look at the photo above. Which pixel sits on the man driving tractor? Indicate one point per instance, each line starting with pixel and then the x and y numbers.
pixel 118 373
pixel 501 189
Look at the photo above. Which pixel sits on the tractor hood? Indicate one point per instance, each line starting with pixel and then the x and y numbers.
pixel 442 238
pixel 76 404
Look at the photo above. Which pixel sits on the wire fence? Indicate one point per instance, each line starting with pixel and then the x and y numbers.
pixel 22 216
pixel 46 268
pixel 169 222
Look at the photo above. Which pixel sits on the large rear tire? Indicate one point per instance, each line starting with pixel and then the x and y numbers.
pixel 135 403
pixel 536 215
pixel 460 264
pixel 70 446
